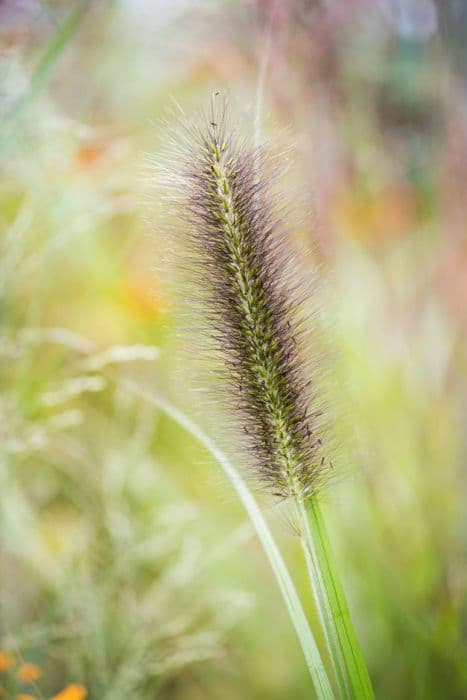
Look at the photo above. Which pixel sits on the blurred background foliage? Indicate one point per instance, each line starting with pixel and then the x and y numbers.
pixel 126 565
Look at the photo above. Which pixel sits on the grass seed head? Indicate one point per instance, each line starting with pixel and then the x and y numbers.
pixel 242 267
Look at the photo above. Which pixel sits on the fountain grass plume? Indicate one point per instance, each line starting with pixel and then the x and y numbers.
pixel 240 262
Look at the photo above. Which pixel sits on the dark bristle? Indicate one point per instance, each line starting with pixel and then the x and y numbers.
pixel 239 260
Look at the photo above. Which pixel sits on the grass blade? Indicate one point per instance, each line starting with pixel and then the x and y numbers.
pixel 61 38
pixel 348 661
pixel 313 658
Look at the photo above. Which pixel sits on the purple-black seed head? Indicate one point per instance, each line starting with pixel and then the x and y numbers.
pixel 241 264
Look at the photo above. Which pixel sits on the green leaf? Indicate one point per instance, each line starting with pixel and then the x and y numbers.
pixel 59 41
pixel 313 658
pixel 344 648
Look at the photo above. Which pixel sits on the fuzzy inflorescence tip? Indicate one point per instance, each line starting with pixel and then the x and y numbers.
pixel 241 265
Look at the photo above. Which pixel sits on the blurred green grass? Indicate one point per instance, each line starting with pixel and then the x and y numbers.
pixel 126 563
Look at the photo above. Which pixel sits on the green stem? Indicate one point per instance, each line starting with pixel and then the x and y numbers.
pixel 43 70
pixel 349 664
pixel 310 650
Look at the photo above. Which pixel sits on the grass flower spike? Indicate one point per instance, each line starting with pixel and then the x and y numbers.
pixel 246 294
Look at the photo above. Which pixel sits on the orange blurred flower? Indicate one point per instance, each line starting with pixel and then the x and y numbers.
pixel 89 154
pixel 6 661
pixel 71 692
pixel 29 673
pixel 25 697
pixel 377 218
pixel 143 296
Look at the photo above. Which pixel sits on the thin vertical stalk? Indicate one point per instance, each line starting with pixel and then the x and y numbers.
pixel 349 664
pixel 289 593
pixel 46 64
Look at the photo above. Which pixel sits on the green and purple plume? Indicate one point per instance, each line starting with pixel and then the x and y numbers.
pixel 244 272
